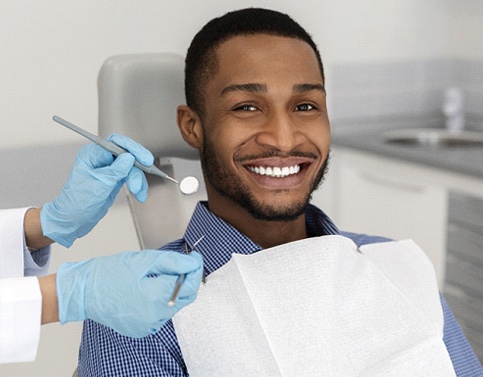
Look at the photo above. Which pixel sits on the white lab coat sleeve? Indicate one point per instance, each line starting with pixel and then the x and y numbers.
pixel 16 259
pixel 20 314
pixel 20 297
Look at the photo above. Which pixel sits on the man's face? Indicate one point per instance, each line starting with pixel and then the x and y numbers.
pixel 265 129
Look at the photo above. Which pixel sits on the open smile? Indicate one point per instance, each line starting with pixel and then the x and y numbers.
pixel 279 172
pixel 275 171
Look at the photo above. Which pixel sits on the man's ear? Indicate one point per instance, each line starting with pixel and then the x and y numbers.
pixel 189 124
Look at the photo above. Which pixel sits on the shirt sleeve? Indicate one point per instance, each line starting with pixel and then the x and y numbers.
pixel 36 263
pixel 465 362
pixel 20 316
pixel 104 352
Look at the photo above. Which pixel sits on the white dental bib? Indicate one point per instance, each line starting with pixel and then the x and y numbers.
pixel 318 307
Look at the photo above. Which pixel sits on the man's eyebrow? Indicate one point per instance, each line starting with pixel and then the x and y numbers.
pixel 302 88
pixel 250 87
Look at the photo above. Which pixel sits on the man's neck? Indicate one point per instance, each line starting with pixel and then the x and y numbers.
pixel 264 233
pixel 273 233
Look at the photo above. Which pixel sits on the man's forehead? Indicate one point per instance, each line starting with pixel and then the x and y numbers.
pixel 253 67
pixel 255 48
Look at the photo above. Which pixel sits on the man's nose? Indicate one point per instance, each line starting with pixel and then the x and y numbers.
pixel 280 132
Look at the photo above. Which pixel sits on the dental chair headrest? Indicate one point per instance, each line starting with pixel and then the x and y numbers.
pixel 138 97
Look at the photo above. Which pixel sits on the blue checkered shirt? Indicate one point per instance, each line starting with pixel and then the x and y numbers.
pixel 103 352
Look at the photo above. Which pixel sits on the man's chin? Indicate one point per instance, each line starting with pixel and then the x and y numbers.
pixel 271 213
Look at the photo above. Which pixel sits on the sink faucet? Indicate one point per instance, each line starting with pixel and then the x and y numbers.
pixel 453 109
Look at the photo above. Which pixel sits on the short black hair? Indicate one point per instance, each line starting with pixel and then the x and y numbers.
pixel 201 62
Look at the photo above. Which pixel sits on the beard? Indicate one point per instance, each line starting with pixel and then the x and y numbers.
pixel 229 185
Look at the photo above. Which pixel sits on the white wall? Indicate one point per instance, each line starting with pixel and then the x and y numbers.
pixel 466 28
pixel 52 50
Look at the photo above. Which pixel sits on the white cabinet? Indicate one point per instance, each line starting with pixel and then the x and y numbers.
pixel 464 266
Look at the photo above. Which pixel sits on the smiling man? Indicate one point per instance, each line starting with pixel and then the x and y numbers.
pixel 263 135
pixel 256 111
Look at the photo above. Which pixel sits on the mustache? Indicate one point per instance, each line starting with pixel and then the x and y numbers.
pixel 275 153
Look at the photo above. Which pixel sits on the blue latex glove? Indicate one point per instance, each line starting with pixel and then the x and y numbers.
pixel 95 180
pixel 129 291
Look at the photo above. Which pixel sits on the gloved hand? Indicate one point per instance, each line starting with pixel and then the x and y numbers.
pixel 129 291
pixel 95 179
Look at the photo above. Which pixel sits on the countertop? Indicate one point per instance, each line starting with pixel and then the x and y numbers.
pixel 459 159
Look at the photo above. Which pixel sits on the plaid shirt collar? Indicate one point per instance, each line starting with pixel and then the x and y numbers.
pixel 221 240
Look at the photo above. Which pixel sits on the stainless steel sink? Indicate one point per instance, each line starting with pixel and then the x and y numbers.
pixel 429 137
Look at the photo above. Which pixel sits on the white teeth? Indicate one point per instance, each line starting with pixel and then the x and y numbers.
pixel 275 171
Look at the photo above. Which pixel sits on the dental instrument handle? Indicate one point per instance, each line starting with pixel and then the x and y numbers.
pixel 181 278
pixel 111 147
pixel 179 282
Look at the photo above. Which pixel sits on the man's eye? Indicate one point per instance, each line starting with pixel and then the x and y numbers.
pixel 304 107
pixel 245 108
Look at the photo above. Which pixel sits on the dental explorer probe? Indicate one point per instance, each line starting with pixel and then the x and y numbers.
pixel 188 185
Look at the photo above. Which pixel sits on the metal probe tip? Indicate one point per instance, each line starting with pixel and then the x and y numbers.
pixel 172 179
